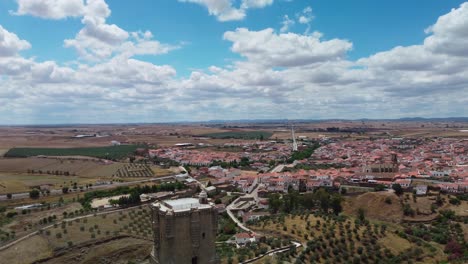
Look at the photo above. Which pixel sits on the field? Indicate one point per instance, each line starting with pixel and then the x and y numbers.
pixel 111 152
pixel 328 239
pixel 375 206
pixel 115 237
pixel 16 183
pixel 135 170
pixel 240 135
pixel 386 206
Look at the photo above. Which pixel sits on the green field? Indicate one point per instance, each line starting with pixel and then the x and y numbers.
pixel 240 135
pixel 111 152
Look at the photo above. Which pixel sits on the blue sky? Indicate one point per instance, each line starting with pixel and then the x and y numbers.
pixel 230 59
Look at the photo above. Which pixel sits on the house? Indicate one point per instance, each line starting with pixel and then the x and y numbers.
pixel 210 190
pixel 243 238
pixel 405 183
pixel 421 190
pixel 253 216
pixel 221 208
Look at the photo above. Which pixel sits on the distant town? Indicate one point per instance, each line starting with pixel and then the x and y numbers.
pixel 243 192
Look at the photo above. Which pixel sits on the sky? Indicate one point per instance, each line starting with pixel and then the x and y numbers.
pixel 114 61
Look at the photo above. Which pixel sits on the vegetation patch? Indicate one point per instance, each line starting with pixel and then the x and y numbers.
pixel 260 135
pixel 110 152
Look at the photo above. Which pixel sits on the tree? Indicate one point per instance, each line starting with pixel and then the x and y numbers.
pixel 34 194
pixel 65 190
pixel 9 195
pixel 379 187
pixel 274 202
pixel 336 204
pixel 398 189
pixel 361 214
pixel 324 198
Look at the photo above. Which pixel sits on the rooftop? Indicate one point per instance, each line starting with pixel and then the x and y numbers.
pixel 182 204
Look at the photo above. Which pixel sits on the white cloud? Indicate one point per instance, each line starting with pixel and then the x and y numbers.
pixel 50 9
pixel 450 33
pixel 280 76
pixel 305 17
pixel 256 3
pixel 10 44
pixel 286 24
pixel 285 50
pixel 99 40
pixel 224 10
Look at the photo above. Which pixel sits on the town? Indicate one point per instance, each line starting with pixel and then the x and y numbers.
pixel 265 189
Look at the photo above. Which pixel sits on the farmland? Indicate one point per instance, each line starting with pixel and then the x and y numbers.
pixel 104 236
pixel 16 183
pixel 110 152
pixel 240 135
pixel 331 239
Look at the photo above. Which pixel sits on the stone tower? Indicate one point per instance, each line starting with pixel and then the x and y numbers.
pixel 184 231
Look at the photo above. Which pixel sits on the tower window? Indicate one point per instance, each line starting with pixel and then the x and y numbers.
pixel 203 235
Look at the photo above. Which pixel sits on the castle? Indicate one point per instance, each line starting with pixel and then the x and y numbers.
pixel 184 231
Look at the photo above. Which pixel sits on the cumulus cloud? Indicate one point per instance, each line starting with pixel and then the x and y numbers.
pixel 224 10
pixel 99 40
pixel 450 33
pixel 50 9
pixel 11 44
pixel 256 3
pixel 285 50
pixel 280 75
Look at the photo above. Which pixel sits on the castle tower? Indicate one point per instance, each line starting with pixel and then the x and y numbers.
pixel 184 231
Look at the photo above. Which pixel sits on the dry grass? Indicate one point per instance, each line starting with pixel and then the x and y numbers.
pixel 3 151
pixel 133 222
pixel 16 183
pixel 27 251
pixel 81 167
pixel 375 206
pixel 296 229
pixel 160 172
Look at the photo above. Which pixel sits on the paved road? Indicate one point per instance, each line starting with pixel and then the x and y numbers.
pixel 254 193
pixel 234 218
pixel 273 252
pixel 96 187
pixel 278 168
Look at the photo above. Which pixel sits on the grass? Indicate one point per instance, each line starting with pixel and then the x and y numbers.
pixel 30 250
pixel 3 151
pixel 16 183
pixel 160 172
pixel 240 135
pixel 110 152
pixel 134 223
pixel 330 240
pixel 375 206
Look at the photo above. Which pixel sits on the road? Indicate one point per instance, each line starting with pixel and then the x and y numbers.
pixel 278 168
pixel 96 187
pixel 234 218
pixel 273 251
pixel 254 193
